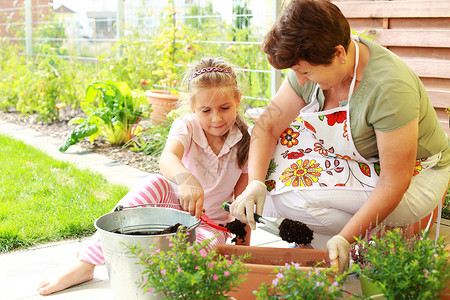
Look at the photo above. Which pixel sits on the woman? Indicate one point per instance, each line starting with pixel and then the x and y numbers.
pixel 349 141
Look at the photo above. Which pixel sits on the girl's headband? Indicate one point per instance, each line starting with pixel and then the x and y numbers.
pixel 209 70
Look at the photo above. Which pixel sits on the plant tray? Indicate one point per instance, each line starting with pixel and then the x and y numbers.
pixel 264 260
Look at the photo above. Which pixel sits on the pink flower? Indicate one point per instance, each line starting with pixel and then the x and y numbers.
pixel 163 272
pixel 150 290
pixel 215 277
pixel 179 269
pixel 275 282
pixel 144 282
pixel 140 254
pixel 210 265
pixel 202 253
pixel 196 267
pixel 226 273
pixel 170 245
pixel 280 275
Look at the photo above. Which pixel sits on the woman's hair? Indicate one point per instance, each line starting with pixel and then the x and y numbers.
pixel 217 73
pixel 306 30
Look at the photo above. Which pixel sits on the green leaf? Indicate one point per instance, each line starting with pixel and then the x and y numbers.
pixel 82 131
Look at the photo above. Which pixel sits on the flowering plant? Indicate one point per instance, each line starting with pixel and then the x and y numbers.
pixel 188 271
pixel 405 266
pixel 293 283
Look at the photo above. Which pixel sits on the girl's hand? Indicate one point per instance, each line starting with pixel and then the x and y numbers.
pixel 191 196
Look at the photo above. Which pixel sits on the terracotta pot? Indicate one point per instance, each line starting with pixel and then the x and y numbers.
pixel 264 260
pixel 162 103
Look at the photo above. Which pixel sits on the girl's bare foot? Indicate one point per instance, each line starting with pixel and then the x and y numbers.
pixel 78 273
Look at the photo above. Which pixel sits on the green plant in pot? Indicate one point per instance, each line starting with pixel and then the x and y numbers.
pixel 112 110
pixel 173 50
pixel 402 265
pixel 188 271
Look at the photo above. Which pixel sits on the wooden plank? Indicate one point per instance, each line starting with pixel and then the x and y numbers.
pixel 436 83
pixel 443 119
pixel 439 98
pixel 394 9
pixel 412 38
pixel 428 53
pixel 429 67
pixel 422 23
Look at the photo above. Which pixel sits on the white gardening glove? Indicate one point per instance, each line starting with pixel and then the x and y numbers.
pixel 338 248
pixel 244 205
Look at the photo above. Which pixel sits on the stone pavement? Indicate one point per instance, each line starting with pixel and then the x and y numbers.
pixel 21 271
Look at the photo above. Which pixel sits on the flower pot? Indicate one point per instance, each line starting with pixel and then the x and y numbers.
pixel 162 103
pixel 370 288
pixel 263 262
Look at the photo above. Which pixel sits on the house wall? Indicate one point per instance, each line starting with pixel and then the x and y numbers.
pixel 419 32
pixel 13 11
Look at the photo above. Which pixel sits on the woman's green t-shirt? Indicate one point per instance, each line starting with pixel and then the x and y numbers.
pixel 388 97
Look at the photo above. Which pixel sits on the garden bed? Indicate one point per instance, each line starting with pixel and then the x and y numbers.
pixel 60 130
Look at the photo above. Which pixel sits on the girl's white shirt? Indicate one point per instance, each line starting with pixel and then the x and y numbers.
pixel 218 174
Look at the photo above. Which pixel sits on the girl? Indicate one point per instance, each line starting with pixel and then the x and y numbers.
pixel 203 164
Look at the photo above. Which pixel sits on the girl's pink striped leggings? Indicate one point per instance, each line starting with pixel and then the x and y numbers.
pixel 153 189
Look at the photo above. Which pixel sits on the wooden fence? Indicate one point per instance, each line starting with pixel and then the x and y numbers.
pixel 419 32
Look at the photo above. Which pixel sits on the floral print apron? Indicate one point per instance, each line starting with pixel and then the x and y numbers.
pixel 317 151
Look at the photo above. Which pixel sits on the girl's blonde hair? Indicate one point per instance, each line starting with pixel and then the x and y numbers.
pixel 217 73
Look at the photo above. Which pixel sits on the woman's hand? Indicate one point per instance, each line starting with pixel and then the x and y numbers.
pixel 338 248
pixel 244 205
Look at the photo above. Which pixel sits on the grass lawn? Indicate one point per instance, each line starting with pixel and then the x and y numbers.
pixel 44 200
